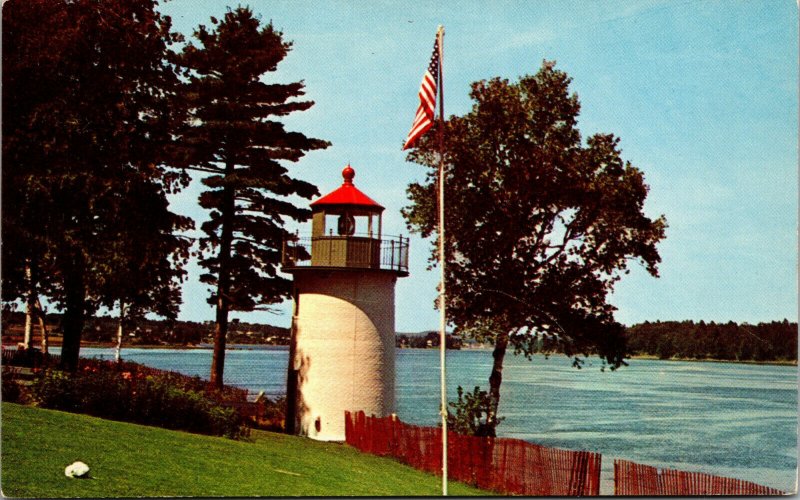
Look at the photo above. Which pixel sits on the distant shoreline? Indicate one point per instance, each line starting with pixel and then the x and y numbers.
pixel 109 345
pixel 181 347
pixel 711 360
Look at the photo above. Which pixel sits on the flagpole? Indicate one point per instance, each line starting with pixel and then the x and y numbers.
pixel 442 312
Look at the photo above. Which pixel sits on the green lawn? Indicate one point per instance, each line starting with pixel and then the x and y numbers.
pixel 128 460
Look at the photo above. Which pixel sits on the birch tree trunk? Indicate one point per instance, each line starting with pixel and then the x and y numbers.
pixel 30 305
pixel 120 331
pixel 43 326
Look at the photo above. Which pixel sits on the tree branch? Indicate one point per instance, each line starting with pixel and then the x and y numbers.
pixel 203 169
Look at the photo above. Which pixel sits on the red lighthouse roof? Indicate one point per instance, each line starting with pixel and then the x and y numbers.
pixel 347 195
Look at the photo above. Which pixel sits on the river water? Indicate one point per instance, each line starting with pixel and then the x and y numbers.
pixel 735 420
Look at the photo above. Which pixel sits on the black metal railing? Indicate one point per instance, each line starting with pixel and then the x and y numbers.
pixel 357 251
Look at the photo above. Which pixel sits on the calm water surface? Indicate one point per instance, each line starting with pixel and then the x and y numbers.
pixel 721 418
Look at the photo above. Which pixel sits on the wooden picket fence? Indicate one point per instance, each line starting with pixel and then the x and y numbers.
pixel 508 466
pixel 632 479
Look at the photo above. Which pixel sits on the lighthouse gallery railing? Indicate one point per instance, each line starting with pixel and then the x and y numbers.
pixel 358 251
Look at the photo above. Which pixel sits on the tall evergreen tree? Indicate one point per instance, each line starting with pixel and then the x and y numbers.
pixel 233 135
pixel 87 113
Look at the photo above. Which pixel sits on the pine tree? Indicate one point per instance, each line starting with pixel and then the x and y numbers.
pixel 233 135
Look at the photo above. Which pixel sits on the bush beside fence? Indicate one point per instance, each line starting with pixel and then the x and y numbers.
pixel 508 466
pixel 632 479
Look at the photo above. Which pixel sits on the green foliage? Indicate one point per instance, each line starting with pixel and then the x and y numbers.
pixel 431 339
pixel 101 328
pixel 274 418
pixel 472 411
pixel 773 341
pixel 132 461
pixel 234 135
pixel 11 392
pixel 540 225
pixel 145 254
pixel 88 118
pixel 161 399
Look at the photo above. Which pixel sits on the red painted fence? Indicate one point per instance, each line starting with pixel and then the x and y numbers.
pixel 632 479
pixel 509 466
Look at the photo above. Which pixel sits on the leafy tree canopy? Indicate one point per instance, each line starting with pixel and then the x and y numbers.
pixel 539 225
pixel 87 118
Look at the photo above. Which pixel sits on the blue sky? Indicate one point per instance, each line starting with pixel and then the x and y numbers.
pixel 703 94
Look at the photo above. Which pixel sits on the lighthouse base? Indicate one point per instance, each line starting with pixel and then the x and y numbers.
pixel 342 349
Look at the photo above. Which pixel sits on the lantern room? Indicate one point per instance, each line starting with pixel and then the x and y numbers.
pixel 346 232
pixel 346 211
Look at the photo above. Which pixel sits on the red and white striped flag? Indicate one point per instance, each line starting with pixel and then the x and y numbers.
pixel 427 99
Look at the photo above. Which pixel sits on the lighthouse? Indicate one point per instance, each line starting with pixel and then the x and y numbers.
pixel 341 355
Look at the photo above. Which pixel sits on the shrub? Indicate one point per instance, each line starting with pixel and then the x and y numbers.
pixel 472 411
pixel 11 392
pixel 133 393
pixel 273 417
pixel 54 390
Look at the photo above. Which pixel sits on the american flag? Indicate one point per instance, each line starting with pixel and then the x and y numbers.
pixel 427 99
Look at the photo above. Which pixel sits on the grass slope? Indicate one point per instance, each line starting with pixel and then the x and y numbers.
pixel 132 460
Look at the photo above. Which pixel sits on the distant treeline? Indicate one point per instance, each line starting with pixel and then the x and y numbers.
pixel 424 340
pixel 774 341
pixel 154 332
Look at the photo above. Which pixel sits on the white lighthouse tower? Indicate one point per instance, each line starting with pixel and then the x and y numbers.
pixel 341 356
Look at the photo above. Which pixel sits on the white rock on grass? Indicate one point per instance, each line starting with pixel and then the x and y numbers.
pixel 77 469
